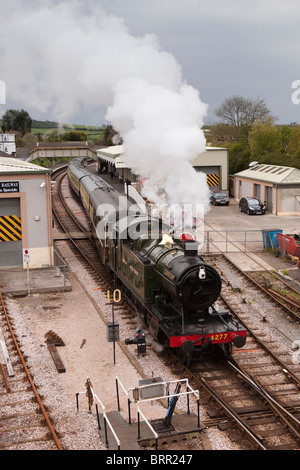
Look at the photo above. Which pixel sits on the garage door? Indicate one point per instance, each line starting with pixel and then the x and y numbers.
pixel 212 175
pixel 269 199
pixel 10 233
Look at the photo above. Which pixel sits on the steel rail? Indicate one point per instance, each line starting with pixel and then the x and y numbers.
pixel 228 410
pixel 291 422
pixel 283 414
pixel 79 225
pixel 74 220
pixel 265 290
pixel 34 389
pixel 285 368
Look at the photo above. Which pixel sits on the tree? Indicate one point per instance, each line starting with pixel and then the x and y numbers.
pixel 15 120
pixel 238 111
pixel 239 157
pixel 265 142
pixel 223 134
pixel 109 137
pixel 293 147
pixel 74 136
pixel 28 140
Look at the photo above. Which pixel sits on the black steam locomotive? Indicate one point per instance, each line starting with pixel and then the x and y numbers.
pixel 173 288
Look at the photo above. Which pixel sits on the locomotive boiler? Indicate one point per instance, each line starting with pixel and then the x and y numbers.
pixel 172 287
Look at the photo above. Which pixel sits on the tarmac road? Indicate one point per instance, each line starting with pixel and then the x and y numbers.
pixel 230 218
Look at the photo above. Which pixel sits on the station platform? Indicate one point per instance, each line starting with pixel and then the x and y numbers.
pixel 113 181
pixel 183 426
pixel 16 282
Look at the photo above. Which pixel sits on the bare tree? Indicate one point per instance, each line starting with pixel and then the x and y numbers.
pixel 237 111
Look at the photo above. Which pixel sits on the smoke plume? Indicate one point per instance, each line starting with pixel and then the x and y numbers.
pixel 59 58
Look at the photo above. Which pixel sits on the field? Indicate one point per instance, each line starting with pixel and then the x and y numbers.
pixel 47 127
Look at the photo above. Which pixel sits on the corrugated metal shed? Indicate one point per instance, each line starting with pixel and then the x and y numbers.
pixel 13 166
pixel 271 174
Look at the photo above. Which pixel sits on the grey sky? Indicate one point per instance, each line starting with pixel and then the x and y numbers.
pixel 224 48
pixel 249 48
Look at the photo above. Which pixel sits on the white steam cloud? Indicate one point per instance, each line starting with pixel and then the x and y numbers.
pixel 60 58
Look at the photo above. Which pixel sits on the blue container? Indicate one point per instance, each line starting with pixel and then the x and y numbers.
pixel 270 237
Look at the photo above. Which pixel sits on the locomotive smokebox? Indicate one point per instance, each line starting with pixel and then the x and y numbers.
pixel 195 284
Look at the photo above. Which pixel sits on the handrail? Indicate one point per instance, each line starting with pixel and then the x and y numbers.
pixel 136 394
pixel 148 424
pixel 211 244
pixel 106 420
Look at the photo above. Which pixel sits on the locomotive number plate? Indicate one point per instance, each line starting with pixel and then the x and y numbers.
pixel 219 337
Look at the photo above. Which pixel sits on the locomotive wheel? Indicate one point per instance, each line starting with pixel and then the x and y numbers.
pixel 226 349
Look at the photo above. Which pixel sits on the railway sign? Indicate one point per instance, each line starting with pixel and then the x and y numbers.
pixel 26 256
pixel 9 186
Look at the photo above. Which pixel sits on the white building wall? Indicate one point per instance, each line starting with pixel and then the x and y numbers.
pixel 243 188
pixel 8 143
pixel 288 202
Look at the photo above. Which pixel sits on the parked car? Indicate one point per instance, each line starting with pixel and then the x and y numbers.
pixel 251 205
pixel 219 198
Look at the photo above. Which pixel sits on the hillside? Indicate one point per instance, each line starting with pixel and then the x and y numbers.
pixel 43 128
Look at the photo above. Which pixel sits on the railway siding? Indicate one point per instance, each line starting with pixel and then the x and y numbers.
pixel 24 419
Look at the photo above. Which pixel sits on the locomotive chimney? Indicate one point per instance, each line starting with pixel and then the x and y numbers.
pixel 191 248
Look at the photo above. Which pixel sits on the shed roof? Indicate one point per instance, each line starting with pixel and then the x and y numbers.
pixel 15 166
pixel 4 154
pixel 272 174
pixel 115 154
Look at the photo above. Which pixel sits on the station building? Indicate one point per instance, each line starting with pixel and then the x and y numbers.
pixel 213 162
pixel 277 186
pixel 8 144
pixel 25 214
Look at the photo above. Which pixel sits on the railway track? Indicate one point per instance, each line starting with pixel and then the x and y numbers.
pixel 257 389
pixel 242 408
pixel 280 290
pixel 265 369
pixel 74 223
pixel 242 387
pixel 253 289
pixel 24 421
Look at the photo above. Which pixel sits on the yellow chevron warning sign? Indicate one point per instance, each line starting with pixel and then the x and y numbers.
pixel 213 180
pixel 10 228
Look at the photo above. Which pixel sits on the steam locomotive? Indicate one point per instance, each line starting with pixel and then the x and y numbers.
pixel 172 287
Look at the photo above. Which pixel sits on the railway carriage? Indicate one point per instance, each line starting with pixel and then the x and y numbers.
pixel 173 288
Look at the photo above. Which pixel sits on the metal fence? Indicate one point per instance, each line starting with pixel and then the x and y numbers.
pixel 229 241
pixel 60 264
